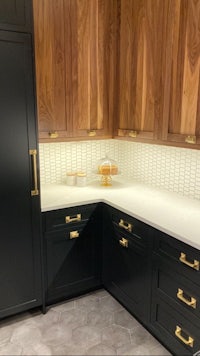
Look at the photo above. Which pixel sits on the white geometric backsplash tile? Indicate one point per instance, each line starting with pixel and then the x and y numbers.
pixel 171 168
pixel 56 159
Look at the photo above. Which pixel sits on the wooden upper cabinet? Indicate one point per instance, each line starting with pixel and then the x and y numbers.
pixel 131 64
pixel 50 68
pixel 139 68
pixel 181 73
pixel 91 38
pixel 75 46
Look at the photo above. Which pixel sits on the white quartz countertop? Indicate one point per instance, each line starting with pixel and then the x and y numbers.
pixel 171 213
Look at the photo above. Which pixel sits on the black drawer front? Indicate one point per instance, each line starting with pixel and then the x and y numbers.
pixel 130 242
pixel 179 289
pixel 130 226
pixel 176 330
pixel 68 233
pixel 63 218
pixel 184 258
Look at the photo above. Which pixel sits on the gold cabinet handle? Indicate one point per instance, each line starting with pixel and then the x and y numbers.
pixel 189 341
pixel 73 234
pixel 69 219
pixel 194 265
pixel 53 134
pixel 132 134
pixel 123 242
pixel 33 154
pixel 191 303
pixel 91 133
pixel 125 225
pixel 190 139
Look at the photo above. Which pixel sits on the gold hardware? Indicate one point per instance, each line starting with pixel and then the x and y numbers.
pixel 53 134
pixel 190 139
pixel 133 134
pixel 69 219
pixel 74 234
pixel 194 265
pixel 125 225
pixel 91 133
pixel 189 342
pixel 191 303
pixel 33 154
pixel 123 242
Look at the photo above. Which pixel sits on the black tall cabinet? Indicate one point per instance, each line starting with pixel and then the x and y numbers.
pixel 20 251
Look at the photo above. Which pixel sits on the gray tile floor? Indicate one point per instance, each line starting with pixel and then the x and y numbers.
pixel 94 324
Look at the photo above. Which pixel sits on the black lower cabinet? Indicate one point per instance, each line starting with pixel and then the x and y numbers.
pixel 73 258
pixel 175 330
pixel 154 276
pixel 20 235
pixel 15 15
pixel 175 311
pixel 126 269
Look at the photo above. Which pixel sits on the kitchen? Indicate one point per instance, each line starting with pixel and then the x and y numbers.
pixel 115 77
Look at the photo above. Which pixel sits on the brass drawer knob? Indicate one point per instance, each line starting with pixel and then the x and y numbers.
pixel 191 303
pixel 194 265
pixel 123 242
pixel 125 225
pixel 189 341
pixel 73 234
pixel 69 219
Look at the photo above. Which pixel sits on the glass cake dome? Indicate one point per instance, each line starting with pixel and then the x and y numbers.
pixel 107 167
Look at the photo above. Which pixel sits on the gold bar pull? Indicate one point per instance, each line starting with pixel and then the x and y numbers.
pixel 73 234
pixel 194 265
pixel 189 341
pixel 125 225
pixel 132 134
pixel 191 303
pixel 190 139
pixel 53 134
pixel 69 219
pixel 123 242
pixel 33 154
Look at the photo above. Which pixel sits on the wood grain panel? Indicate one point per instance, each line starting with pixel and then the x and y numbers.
pixel 185 68
pixel 191 69
pixel 50 64
pixel 140 69
pixel 127 80
pixel 94 64
pixel 107 63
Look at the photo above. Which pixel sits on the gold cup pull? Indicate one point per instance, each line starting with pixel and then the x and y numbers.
pixel 125 225
pixel 191 303
pixel 69 219
pixel 190 139
pixel 189 341
pixel 33 154
pixel 92 133
pixel 53 134
pixel 194 265
pixel 123 242
pixel 132 134
pixel 73 234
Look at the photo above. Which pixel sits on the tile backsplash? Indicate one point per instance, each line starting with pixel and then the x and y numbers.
pixel 171 168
